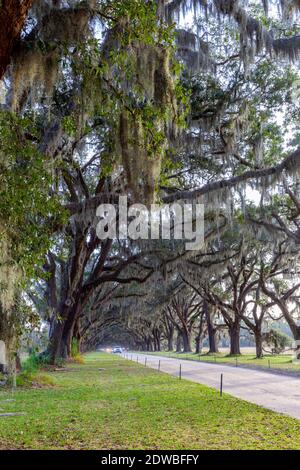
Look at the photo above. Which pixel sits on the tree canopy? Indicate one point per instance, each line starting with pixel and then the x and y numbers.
pixel 162 102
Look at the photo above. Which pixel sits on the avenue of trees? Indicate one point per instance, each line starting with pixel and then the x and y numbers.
pixel 164 102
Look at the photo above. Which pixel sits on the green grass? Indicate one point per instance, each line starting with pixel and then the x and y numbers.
pixel 128 406
pixel 282 362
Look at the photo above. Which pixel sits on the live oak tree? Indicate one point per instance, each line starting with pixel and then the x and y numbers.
pixel 168 329
pixel 238 298
pixel 59 34
pixel 100 84
pixel 183 311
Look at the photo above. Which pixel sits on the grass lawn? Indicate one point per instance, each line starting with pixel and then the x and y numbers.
pixel 128 406
pixel 281 362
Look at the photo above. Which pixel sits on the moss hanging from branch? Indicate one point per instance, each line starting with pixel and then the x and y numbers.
pixel 137 67
pixel 34 73
pixel 36 62
pixel 146 127
pixel 193 51
pixel 254 36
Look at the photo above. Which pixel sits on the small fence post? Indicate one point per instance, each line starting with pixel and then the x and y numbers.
pixel 137 358
pixel 221 385
pixel 180 372
pixel 145 361
pixel 269 364
pixel 158 365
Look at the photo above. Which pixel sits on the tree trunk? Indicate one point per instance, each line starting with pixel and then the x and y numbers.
pixel 171 340
pixel 9 314
pixel 149 344
pixel 62 333
pixel 258 343
pixel 178 342
pixel 55 349
pixel 67 337
pixel 77 335
pixel 210 329
pixel 59 342
pixel 198 344
pixel 198 339
pixel 13 14
pixel 9 337
pixel 186 338
pixel 156 340
pixel 234 333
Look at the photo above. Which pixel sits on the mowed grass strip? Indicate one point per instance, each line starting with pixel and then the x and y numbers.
pixel 283 362
pixel 128 406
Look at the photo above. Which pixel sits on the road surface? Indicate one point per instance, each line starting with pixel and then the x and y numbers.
pixel 276 392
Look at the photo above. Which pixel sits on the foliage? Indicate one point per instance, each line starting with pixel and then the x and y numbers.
pixel 28 210
pixel 277 340
pixel 34 362
pixel 112 82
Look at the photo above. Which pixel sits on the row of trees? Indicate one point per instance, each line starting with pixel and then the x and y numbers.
pixel 112 97
pixel 232 290
pixel 242 301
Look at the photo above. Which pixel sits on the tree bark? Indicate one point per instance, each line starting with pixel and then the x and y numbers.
pixel 9 336
pixel 213 348
pixel 198 344
pixel 186 339
pixel 258 344
pixel 171 340
pixel 10 317
pixel 178 342
pixel 156 339
pixel 234 333
pixel 198 339
pixel 149 345
pixel 13 14
pixel 168 329
pixel 61 335
pixel 77 335
pixel 55 349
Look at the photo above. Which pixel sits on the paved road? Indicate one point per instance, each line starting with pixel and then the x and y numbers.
pixel 277 392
